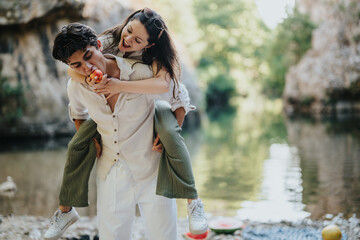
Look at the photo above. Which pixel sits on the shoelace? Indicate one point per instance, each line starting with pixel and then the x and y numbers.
pixel 57 218
pixel 197 210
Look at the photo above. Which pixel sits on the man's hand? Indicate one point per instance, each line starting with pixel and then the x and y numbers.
pixel 157 146
pixel 77 123
pixel 98 148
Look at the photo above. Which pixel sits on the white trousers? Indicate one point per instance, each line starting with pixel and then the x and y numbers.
pixel 116 200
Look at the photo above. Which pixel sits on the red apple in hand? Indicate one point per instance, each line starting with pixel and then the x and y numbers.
pixel 96 75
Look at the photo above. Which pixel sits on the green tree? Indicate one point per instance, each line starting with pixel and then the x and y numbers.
pixel 291 40
pixel 232 36
pixel 12 102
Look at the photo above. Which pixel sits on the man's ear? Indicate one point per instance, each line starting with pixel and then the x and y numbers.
pixel 99 45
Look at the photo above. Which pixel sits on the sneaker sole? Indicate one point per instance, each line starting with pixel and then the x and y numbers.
pixel 71 222
pixel 198 232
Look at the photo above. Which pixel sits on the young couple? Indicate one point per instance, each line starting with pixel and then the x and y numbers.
pixel 124 117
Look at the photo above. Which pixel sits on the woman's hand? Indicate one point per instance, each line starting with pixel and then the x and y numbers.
pixel 108 86
pixel 77 77
pixel 92 82
pixel 157 145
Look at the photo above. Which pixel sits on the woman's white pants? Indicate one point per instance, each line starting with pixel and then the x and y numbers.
pixel 117 196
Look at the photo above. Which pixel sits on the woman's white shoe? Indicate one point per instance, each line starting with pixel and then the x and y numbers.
pixel 197 219
pixel 59 223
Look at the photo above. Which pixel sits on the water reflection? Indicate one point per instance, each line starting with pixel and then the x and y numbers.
pixel 271 168
pixel 229 167
pixel 330 161
pixel 281 194
pixel 38 175
pixel 252 163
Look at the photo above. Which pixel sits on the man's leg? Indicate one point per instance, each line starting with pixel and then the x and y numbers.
pixel 115 205
pixel 160 215
pixel 176 179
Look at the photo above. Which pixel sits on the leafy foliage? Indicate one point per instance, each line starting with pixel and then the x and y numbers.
pixel 12 102
pixel 291 40
pixel 232 34
pixel 219 91
pixel 235 53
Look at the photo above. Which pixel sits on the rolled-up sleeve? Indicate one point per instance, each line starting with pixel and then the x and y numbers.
pixel 106 40
pixel 77 109
pixel 178 97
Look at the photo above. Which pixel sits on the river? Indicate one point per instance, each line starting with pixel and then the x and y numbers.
pixel 253 164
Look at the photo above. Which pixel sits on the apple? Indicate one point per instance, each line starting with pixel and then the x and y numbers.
pixel 331 232
pixel 96 75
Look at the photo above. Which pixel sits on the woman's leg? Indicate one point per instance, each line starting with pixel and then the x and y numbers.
pixel 175 179
pixel 80 160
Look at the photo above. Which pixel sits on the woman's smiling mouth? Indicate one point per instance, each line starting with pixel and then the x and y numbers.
pixel 125 44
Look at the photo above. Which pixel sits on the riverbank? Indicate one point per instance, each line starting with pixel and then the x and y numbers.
pixel 31 227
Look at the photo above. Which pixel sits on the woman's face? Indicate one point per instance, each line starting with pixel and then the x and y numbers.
pixel 134 37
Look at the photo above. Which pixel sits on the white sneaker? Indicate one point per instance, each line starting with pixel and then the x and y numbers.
pixel 197 220
pixel 60 222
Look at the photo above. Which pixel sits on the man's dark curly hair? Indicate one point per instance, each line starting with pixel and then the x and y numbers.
pixel 71 38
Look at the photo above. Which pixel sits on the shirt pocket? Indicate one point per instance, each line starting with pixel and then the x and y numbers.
pixel 136 107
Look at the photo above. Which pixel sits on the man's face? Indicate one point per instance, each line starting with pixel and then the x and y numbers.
pixel 88 60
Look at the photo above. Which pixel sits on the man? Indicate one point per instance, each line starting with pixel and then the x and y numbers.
pixel 127 168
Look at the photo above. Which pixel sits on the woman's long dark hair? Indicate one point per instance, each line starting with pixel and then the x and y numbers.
pixel 163 51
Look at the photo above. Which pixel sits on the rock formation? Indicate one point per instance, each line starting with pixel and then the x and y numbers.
pixel 327 78
pixel 33 99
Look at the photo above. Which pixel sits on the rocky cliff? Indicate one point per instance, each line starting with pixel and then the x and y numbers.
pixel 327 78
pixel 33 99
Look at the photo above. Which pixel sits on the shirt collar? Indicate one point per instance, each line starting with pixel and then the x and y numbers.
pixel 125 66
pixel 136 55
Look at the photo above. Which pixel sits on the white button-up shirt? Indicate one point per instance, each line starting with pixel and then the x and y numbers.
pixel 126 133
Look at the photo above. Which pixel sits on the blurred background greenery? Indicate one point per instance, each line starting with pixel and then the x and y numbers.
pixel 244 148
pixel 235 53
